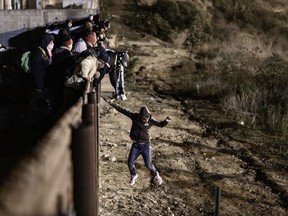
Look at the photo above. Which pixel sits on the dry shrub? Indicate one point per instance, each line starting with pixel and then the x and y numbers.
pixel 258 90
pixel 261 16
pixel 248 74
pixel 166 18
pixel 255 87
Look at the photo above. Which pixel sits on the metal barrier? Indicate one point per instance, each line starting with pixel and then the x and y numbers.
pixel 60 176
pixel 85 154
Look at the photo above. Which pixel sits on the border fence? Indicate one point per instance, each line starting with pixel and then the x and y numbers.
pixel 60 176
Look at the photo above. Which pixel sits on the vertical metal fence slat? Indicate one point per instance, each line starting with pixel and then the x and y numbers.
pixel 83 158
pixel 217 201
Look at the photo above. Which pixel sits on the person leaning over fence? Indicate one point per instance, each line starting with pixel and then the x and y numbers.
pixel 62 60
pixel 85 70
pixel 87 40
pixel 139 134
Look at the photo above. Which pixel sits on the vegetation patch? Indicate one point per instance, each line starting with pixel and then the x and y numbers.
pixel 239 61
pixel 166 18
pixel 261 15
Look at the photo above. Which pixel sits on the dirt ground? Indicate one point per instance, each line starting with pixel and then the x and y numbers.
pixel 200 150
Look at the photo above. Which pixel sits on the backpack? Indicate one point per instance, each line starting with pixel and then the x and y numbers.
pixel 26 61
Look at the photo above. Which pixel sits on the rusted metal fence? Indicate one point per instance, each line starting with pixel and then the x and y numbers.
pixel 60 176
pixel 85 154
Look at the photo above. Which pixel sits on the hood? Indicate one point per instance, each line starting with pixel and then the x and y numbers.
pixel 144 114
pixel 46 39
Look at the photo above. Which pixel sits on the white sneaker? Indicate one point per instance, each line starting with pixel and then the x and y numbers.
pixel 133 179
pixel 158 179
pixel 121 97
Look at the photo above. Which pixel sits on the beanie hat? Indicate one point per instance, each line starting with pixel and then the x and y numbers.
pixel 90 36
pixel 65 40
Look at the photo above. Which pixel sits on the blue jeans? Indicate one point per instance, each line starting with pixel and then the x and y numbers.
pixel 145 151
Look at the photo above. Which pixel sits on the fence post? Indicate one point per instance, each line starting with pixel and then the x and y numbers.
pixel 88 113
pixel 97 125
pixel 217 201
pixel 83 156
pixel 93 98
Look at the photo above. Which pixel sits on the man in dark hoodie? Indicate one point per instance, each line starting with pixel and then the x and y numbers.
pixel 139 134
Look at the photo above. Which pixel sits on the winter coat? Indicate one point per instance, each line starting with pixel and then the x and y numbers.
pixel 40 62
pixel 57 72
pixel 85 70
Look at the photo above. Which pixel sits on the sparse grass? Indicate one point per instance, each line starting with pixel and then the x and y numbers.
pixel 259 14
pixel 257 87
pixel 249 69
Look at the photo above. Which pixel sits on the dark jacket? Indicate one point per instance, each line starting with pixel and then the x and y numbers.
pixel 57 72
pixel 139 131
pixel 40 62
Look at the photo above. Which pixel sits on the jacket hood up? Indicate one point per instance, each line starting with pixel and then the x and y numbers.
pixel 144 114
pixel 46 39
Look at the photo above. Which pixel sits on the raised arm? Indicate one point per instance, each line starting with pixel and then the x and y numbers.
pixel 119 108
pixel 161 123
